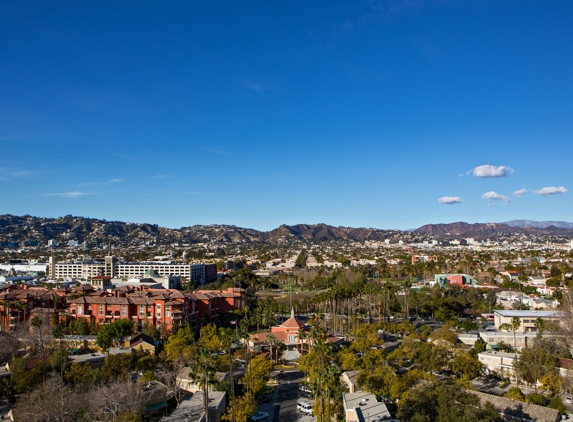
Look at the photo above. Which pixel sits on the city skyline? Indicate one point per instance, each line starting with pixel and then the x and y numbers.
pixel 390 114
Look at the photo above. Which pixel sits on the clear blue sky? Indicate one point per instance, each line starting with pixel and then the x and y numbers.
pixel 260 113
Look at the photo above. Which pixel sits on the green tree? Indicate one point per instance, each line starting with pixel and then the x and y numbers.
pixel 515 393
pixel 245 407
pixel 179 345
pixel 258 374
pixel 466 364
pixel 82 375
pixel 534 363
pixel 114 333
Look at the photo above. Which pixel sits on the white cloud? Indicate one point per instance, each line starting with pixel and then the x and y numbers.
pixel 520 192
pixel 258 87
pixel 492 196
pixel 491 171
pixel 73 194
pixel 161 176
pixel 100 183
pixel 450 200
pixel 550 190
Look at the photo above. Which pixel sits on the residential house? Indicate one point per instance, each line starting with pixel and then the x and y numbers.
pixel 192 410
pixel 364 407
pixel 349 379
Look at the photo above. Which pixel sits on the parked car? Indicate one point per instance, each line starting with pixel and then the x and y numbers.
pixel 304 388
pixel 259 416
pixel 264 399
pixel 304 407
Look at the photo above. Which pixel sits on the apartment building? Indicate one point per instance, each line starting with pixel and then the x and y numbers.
pixel 497 362
pixel 521 339
pixel 157 306
pixel 527 318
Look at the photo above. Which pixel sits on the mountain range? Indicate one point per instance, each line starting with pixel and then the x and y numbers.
pixel 38 230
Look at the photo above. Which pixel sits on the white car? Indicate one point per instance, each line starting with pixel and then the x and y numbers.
pixel 259 416
pixel 304 407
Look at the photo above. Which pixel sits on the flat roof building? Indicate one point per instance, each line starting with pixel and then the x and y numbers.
pixel 527 318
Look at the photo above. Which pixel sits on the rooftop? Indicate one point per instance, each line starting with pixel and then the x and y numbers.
pixel 498 354
pixel 366 404
pixel 538 314
pixel 192 410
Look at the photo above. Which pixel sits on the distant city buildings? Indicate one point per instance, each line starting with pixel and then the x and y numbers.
pixel 197 273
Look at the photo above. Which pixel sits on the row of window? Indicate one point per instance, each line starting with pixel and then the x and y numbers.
pixel 124 310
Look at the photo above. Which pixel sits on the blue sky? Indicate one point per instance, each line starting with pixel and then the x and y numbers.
pixel 263 113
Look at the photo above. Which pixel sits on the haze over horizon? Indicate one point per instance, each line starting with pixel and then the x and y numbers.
pixel 385 114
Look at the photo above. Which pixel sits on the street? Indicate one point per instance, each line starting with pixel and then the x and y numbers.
pixel 285 399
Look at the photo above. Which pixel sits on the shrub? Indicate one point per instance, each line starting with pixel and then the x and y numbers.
pixel 536 399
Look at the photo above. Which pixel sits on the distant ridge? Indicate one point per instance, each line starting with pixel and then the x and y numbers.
pixel 97 232
pixel 29 230
pixel 539 224
pixel 484 230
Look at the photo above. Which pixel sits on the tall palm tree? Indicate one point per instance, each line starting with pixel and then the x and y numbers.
pixel 203 373
pixel 228 338
pixel 37 323
pixel 7 304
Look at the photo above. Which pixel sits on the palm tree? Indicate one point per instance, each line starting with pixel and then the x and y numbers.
pixel 271 339
pixel 7 304
pixel 20 306
pixel 202 373
pixel 228 337
pixel 37 323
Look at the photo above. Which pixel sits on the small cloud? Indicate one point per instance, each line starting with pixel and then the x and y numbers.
pixel 216 151
pixel 161 176
pixel 22 173
pixel 494 196
pixel 491 171
pixel 520 192
pixel 73 194
pixel 252 85
pixel 258 87
pixel 550 190
pixel 107 182
pixel 450 200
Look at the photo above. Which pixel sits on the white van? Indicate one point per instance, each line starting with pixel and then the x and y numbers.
pixel 305 408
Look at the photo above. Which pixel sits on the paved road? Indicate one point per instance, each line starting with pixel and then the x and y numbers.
pixel 287 398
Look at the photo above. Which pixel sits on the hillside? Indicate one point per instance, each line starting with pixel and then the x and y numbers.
pixel 487 230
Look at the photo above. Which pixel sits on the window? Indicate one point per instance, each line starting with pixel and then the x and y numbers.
pixel 292 338
pixel 123 310
pixel 520 340
pixel 80 309
pixel 101 309
pixel 167 310
pixel 141 310
pixel 158 311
